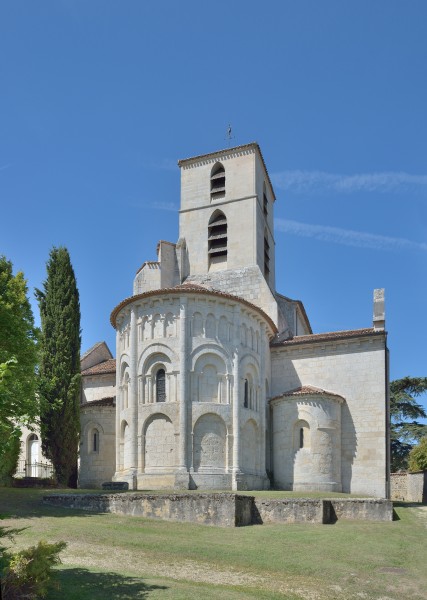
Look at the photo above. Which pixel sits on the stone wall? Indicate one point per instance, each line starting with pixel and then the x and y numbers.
pixel 228 510
pixel 307 434
pixel 399 486
pixel 291 510
pixel 97 387
pixel 31 454
pixel 95 355
pixel 97 456
pixel 355 369
pixel 211 350
pixel 409 487
pixel 225 510
pixel 365 509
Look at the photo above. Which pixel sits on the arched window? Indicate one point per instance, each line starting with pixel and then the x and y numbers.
pixel 32 455
pixel 217 182
pixel 217 238
pixel 161 386
pixel 126 391
pixel 210 329
pixel 266 256
pixel 301 435
pixel 197 325
pixel 95 440
pixel 246 394
pixel 265 202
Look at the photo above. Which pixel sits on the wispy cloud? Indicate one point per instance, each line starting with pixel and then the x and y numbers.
pixel 304 182
pixel 172 206
pixel 347 237
pixel 4 167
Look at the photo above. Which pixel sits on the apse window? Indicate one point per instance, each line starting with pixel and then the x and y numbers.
pixel 246 394
pixel 95 440
pixel 161 386
pixel 301 435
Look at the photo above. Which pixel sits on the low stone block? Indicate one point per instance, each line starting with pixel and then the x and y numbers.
pixel 289 510
pixel 225 510
pixel 361 509
pixel 115 485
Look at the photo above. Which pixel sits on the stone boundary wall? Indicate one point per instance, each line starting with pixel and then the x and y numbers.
pixel 226 509
pixel 409 487
pixel 292 510
pixel 362 509
pixel 322 510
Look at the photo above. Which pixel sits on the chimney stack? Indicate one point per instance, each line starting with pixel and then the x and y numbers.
pixel 379 310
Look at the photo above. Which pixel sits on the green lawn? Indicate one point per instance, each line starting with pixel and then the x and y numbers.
pixel 117 557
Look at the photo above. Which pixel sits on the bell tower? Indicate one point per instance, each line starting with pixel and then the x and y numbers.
pixel 226 220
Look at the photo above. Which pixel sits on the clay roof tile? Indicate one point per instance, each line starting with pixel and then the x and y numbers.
pixel 107 366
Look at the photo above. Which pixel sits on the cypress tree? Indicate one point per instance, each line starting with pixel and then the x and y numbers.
pixel 59 383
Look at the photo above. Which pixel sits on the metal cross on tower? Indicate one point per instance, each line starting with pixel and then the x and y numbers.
pixel 229 136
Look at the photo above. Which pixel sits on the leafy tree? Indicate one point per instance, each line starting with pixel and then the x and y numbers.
pixel 418 456
pixel 18 360
pixel 404 412
pixel 60 366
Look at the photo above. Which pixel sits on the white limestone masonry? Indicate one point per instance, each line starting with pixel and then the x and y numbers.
pixel 219 382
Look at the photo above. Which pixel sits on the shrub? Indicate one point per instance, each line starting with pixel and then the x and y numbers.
pixel 28 574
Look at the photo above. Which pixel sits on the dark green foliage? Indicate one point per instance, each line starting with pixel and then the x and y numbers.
pixel 418 456
pixel 404 412
pixel 18 360
pixel 10 455
pixel 28 572
pixel 60 366
pixel 5 533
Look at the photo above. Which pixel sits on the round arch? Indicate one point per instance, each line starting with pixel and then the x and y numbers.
pixel 158 457
pixel 210 444
pixel 156 348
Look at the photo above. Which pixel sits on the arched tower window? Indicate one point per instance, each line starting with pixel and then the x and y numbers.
pixel 161 386
pixel 266 256
pixel 265 201
pixel 217 238
pixel 217 181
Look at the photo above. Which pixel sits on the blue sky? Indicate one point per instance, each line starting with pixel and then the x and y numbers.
pixel 99 99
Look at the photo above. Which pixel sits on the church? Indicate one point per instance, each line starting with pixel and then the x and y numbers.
pixel 219 382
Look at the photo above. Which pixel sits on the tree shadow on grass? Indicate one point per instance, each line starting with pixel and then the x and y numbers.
pixel 17 503
pixel 81 584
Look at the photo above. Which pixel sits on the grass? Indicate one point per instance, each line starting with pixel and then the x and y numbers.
pixel 118 557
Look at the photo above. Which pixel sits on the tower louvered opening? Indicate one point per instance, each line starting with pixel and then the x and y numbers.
pixel 266 257
pixel 217 239
pixel 217 182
